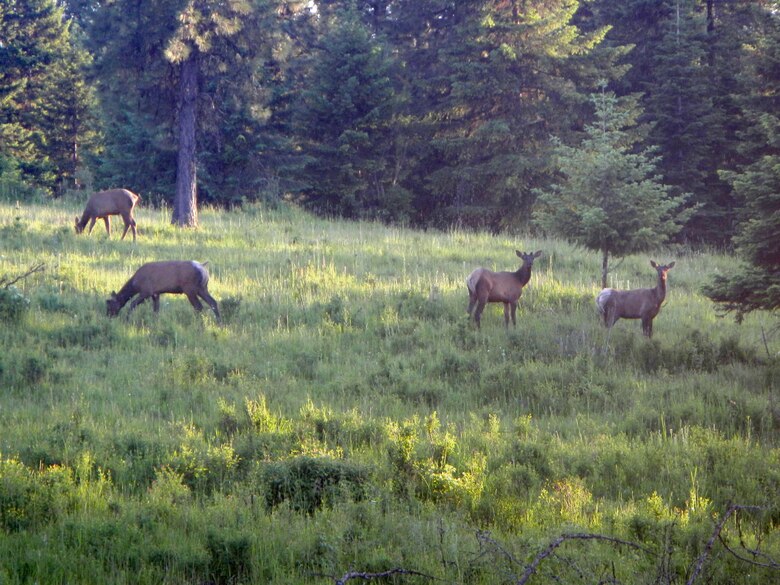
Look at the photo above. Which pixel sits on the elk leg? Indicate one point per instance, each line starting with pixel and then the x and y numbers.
pixel 92 224
pixel 124 233
pixel 107 220
pixel 132 227
pixel 506 315
pixel 472 302
pixel 514 313
pixel 195 302
pixel 135 303
pixel 212 303
pixel 610 317
pixel 156 303
pixel 647 327
pixel 478 313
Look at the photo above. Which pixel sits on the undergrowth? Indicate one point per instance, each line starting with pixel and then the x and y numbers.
pixel 348 415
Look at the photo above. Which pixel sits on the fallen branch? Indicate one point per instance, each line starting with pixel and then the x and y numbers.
pixel 370 576
pixel 531 569
pixel 716 534
pixel 6 283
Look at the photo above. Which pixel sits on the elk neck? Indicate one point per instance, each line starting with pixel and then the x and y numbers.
pixel 660 288
pixel 523 274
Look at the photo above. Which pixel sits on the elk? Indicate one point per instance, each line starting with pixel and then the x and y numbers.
pixel 638 303
pixel 155 278
pixel 104 204
pixel 486 286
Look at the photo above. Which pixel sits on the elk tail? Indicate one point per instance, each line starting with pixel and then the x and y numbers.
pixel 202 272
pixel 473 279
pixel 602 299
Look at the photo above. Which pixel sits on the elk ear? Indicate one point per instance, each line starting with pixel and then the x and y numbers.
pixel 671 265
pixel 537 253
pixel 519 253
pixel 653 264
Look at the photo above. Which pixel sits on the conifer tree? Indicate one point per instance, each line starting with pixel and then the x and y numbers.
pixel 345 121
pixel 201 23
pixel 687 121
pixel 44 101
pixel 507 77
pixel 609 198
pixel 754 283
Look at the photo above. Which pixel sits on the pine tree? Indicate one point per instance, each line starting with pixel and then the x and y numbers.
pixel 609 198
pixel 345 120
pixel 507 77
pixel 44 100
pixel 185 93
pixel 201 23
pixel 755 284
pixel 136 95
pixel 687 122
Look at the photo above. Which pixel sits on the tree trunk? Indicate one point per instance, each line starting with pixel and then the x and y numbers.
pixel 604 267
pixel 185 205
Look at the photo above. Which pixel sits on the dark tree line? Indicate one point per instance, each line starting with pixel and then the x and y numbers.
pixel 424 112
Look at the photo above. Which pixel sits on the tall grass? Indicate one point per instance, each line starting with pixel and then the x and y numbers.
pixel 349 416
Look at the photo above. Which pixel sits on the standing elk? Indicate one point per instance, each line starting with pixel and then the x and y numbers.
pixel 155 278
pixel 639 303
pixel 104 204
pixel 486 286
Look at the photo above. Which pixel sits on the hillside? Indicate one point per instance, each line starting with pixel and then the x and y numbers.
pixel 347 417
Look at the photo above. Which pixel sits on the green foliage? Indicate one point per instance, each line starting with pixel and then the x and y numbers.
pixel 350 417
pixel 610 199
pixel 309 483
pixel 13 305
pixel 30 500
pixel 230 558
pixel 755 284
pixel 46 108
pixel 343 119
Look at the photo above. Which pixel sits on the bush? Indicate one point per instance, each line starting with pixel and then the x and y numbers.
pixel 230 558
pixel 309 483
pixel 30 499
pixel 13 305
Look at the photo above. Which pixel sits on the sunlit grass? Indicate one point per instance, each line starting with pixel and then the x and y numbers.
pixel 351 333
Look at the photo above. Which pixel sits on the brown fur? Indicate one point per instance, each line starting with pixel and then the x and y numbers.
pixel 155 278
pixel 486 286
pixel 639 303
pixel 104 204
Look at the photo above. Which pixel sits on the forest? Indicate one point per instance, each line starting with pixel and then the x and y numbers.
pixel 426 113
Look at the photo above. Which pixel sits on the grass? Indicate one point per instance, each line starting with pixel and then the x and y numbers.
pixel 348 416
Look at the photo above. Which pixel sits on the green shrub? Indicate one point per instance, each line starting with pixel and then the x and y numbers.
pixel 309 483
pixel 230 558
pixel 86 335
pixel 13 306
pixel 30 499
pixel 229 308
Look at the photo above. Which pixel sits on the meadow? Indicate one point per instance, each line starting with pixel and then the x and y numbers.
pixel 348 423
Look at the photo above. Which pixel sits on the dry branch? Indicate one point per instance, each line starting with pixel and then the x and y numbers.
pixel 716 536
pixel 6 282
pixel 531 569
pixel 370 576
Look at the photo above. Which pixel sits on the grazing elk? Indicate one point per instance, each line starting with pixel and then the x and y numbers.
pixel 486 286
pixel 155 278
pixel 639 303
pixel 104 204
